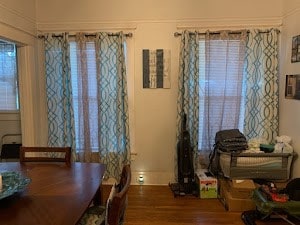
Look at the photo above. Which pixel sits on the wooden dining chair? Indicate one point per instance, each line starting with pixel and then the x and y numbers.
pixel 113 213
pixel 45 154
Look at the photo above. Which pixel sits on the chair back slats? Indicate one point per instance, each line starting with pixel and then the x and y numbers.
pixel 45 154
pixel 119 201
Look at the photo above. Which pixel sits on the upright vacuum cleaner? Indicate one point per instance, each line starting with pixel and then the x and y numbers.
pixel 186 176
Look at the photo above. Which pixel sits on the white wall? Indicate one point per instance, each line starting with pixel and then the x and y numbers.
pixel 18 24
pixel 290 108
pixel 290 6
pixel 132 10
pixel 153 24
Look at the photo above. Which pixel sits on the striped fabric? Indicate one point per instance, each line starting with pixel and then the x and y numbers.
pixel 156 68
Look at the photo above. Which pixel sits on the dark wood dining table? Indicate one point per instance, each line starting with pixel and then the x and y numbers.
pixel 57 194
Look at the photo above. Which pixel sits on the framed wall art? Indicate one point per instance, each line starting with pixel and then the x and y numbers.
pixel 296 49
pixel 156 68
pixel 292 86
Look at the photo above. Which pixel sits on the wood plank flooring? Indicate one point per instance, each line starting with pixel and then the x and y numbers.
pixel 156 205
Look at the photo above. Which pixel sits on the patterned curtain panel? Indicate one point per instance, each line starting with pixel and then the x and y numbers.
pixel 113 102
pixel 188 97
pixel 59 92
pixel 101 103
pixel 261 113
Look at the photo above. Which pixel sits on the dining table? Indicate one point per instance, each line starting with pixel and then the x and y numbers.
pixel 57 193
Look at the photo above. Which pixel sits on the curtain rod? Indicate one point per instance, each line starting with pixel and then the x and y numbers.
pixel 177 34
pixel 87 35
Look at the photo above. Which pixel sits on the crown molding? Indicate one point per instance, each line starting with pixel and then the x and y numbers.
pixel 14 19
pixel 291 13
pixel 220 23
pixel 230 23
pixel 85 26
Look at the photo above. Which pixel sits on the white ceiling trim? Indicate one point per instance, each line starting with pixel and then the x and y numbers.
pixel 15 19
pixel 292 12
pixel 85 26
pixel 229 23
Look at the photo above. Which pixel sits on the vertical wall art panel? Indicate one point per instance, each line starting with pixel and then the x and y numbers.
pixel 292 86
pixel 156 68
pixel 296 49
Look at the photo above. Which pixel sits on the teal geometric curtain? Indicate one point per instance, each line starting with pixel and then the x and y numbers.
pixel 261 112
pixel 188 96
pixel 113 118
pixel 88 105
pixel 59 92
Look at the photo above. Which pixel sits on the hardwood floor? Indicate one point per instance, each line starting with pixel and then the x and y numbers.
pixel 156 205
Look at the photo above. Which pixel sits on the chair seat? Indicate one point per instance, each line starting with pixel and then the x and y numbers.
pixel 94 215
pixel 114 211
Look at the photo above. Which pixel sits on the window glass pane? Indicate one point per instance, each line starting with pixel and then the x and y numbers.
pixel 81 123
pixel 201 89
pixel 86 90
pixel 221 90
pixel 74 74
pixel 8 77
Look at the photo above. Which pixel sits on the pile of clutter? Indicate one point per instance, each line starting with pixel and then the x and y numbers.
pixel 282 145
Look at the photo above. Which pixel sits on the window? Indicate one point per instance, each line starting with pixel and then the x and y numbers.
pixel 85 96
pixel 9 100
pixel 91 96
pixel 221 90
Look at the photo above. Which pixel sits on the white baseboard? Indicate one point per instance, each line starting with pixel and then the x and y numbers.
pixel 149 178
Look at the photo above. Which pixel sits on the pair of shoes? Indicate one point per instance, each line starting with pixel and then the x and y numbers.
pixel 249 217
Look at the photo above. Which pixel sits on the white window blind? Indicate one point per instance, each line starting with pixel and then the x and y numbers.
pixel 221 92
pixel 77 90
pixel 8 77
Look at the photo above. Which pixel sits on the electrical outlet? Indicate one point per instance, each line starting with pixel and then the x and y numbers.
pixel 140 179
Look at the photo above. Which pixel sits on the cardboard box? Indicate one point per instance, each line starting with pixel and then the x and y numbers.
pixel 232 203
pixel 237 204
pixel 207 184
pixel 241 188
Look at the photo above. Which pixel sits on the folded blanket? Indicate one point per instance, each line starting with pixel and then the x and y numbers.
pixel 232 134
pixel 231 140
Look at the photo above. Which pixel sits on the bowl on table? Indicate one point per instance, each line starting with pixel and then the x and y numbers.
pixel 267 148
pixel 12 183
